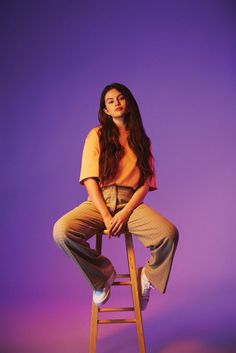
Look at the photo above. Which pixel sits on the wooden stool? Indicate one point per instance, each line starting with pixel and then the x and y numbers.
pixel 132 276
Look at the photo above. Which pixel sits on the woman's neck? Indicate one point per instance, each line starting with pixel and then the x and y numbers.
pixel 119 122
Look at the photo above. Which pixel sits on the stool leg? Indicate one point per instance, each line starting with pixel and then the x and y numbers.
pixel 135 293
pixel 93 329
pixel 94 316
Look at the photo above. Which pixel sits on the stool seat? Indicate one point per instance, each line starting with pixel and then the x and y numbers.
pixel 131 281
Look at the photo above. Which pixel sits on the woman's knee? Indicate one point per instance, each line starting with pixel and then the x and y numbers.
pixel 172 234
pixel 60 231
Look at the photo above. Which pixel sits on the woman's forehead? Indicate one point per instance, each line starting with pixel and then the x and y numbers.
pixel 112 93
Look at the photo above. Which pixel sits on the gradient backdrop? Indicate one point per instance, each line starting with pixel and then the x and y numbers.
pixel 178 59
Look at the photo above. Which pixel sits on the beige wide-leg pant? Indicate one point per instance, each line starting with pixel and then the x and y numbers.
pixel 72 231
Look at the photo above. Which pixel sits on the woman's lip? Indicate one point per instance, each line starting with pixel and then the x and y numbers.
pixel 118 109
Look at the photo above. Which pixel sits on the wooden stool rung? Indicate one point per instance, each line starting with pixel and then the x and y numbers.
pixel 123 275
pixel 107 310
pixel 117 321
pixel 122 283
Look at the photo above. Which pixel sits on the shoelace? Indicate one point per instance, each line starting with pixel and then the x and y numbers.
pixel 99 292
pixel 147 287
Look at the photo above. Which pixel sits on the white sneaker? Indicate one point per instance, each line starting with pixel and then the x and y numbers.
pixel 101 296
pixel 146 287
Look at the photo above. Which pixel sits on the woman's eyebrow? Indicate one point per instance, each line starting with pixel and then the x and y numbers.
pixel 113 98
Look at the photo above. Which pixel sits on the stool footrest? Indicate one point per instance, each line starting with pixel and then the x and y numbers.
pixel 108 310
pixel 121 283
pixel 123 275
pixel 117 321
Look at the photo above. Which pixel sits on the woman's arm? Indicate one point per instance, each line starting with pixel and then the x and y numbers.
pixel 120 219
pixel 115 224
pixel 96 196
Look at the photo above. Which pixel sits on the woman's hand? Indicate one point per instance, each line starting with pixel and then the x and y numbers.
pixel 107 221
pixel 119 222
pixel 120 219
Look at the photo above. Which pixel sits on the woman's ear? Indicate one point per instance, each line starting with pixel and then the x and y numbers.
pixel 105 111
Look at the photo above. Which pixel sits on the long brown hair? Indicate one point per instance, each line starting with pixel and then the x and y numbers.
pixel 111 151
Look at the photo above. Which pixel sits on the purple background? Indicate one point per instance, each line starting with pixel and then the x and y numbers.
pixel 178 59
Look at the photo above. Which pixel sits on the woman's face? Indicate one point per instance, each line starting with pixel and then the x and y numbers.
pixel 115 104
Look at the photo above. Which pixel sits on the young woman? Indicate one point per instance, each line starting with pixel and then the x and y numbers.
pixel 117 170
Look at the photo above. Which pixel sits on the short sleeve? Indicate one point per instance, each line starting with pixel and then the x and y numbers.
pixel 90 156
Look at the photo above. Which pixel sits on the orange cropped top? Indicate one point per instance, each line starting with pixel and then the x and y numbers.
pixel 128 173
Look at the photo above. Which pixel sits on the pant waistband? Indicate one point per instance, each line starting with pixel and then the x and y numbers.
pixel 118 187
pixel 116 194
